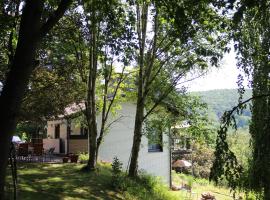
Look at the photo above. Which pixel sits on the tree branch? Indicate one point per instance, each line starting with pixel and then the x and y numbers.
pixel 55 17
pixel 165 94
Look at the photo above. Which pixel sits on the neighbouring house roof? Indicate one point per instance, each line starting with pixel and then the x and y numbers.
pixel 72 109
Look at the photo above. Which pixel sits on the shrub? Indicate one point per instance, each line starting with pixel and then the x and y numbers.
pixel 83 158
pixel 116 172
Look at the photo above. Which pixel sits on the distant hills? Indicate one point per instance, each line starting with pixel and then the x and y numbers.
pixel 219 101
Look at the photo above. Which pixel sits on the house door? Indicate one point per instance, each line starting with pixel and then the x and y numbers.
pixel 62 145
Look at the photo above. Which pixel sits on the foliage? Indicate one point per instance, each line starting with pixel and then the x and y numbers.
pixel 83 158
pixel 171 50
pixel 48 95
pixel 239 142
pixel 26 128
pixel 250 33
pixel 202 159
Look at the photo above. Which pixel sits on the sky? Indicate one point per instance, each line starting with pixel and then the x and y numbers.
pixel 224 77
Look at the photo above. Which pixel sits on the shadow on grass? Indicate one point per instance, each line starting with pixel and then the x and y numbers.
pixel 64 181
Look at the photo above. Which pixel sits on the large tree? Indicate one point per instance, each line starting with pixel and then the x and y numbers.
pixel 33 28
pixel 250 31
pixel 97 36
pixel 108 36
pixel 173 38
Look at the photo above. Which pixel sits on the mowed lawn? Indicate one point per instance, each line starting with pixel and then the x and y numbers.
pixel 63 181
pixel 40 181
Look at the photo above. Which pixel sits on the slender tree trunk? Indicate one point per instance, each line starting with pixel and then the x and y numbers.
pixel 99 140
pixel 142 15
pixel 91 96
pixel 133 167
pixel 17 80
pixel 93 133
pixel 91 165
pixel 103 114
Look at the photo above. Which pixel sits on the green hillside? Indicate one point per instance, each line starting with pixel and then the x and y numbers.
pixel 219 101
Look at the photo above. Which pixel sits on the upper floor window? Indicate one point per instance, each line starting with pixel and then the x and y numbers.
pixel 84 130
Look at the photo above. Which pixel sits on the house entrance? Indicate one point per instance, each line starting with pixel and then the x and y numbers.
pixel 62 145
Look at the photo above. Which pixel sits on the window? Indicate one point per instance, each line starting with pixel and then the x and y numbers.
pixel 57 131
pixel 77 131
pixel 84 131
pixel 155 141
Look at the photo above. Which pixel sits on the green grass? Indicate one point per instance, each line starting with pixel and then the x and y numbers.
pixel 64 181
pixel 67 181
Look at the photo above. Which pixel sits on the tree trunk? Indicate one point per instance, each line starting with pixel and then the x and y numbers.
pixel 133 167
pixel 91 165
pixel 17 80
pixel 99 140
pixel 139 118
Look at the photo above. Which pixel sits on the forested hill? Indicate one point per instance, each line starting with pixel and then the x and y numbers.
pixel 221 100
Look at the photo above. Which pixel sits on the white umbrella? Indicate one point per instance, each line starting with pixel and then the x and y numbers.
pixel 16 139
pixel 181 163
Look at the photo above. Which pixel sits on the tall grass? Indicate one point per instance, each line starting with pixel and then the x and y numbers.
pixel 146 187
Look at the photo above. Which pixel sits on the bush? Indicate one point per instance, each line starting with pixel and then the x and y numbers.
pixel 143 187
pixel 83 158
pixel 202 160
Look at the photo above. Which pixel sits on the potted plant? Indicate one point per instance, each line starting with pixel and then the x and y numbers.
pixel 73 158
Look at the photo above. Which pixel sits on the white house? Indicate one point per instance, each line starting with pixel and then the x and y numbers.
pixel 153 158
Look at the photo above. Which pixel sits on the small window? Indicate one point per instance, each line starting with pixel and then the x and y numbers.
pixel 155 141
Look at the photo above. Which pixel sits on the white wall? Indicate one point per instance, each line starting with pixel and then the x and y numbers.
pixel 50 132
pixel 118 142
pixel 51 127
pixel 50 143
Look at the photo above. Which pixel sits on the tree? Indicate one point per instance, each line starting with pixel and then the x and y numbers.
pixel 251 35
pixel 173 48
pixel 22 64
pixel 97 37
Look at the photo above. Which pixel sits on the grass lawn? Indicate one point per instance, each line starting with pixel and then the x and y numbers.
pixel 64 181
pixel 200 186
